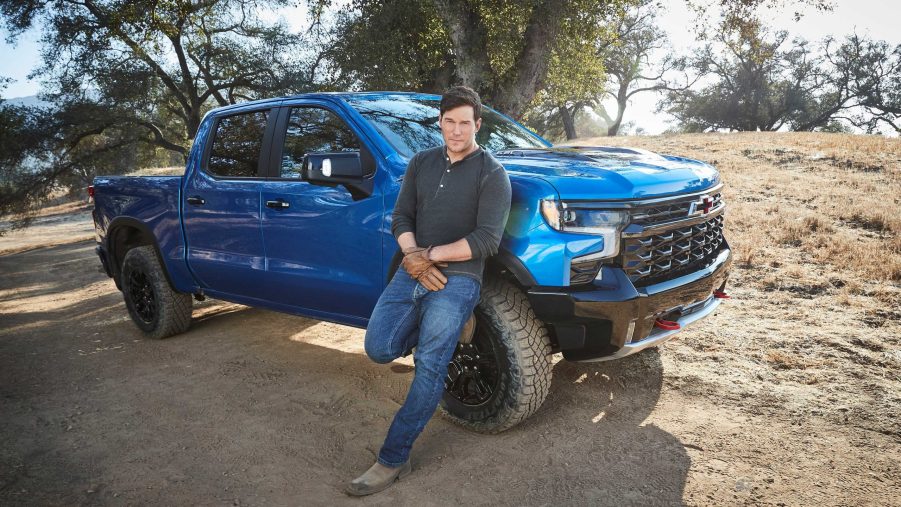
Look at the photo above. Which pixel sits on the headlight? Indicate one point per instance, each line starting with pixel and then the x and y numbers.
pixel 605 223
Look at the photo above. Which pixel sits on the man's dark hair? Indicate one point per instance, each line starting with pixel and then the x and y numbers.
pixel 461 96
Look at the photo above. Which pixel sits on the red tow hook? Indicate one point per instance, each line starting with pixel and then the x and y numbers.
pixel 668 325
pixel 721 294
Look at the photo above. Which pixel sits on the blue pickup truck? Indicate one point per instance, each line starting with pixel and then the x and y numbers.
pixel 286 204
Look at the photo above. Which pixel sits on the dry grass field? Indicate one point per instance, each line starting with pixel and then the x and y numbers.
pixel 815 222
pixel 790 394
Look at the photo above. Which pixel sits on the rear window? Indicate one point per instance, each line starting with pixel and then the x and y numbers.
pixel 237 145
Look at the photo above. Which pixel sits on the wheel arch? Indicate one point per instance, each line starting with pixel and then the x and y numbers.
pixel 123 234
pixel 510 267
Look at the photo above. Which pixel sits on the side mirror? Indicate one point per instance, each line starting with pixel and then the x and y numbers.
pixel 343 168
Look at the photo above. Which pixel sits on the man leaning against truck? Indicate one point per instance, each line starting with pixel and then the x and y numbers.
pixel 449 217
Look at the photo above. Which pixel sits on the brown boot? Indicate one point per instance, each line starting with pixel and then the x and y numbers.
pixel 377 478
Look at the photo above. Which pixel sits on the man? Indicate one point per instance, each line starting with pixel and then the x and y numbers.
pixel 449 217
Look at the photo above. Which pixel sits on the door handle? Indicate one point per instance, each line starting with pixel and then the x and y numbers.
pixel 278 204
pixel 196 200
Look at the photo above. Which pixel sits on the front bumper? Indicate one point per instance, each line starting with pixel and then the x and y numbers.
pixel 611 318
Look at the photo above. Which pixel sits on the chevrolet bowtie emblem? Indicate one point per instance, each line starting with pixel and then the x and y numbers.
pixel 700 207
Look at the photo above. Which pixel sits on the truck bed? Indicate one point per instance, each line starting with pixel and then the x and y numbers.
pixel 149 204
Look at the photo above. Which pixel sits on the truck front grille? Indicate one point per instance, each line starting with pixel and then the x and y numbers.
pixel 661 213
pixel 664 252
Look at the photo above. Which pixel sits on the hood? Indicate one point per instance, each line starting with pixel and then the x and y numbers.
pixel 607 173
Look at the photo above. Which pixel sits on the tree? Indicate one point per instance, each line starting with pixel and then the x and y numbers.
pixel 632 58
pixel 14 123
pixel 874 74
pixel 575 79
pixel 743 16
pixel 762 81
pixel 400 45
pixel 131 80
pixel 502 49
pixel 629 65
pixel 160 59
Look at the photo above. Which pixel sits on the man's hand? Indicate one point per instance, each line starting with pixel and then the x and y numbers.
pixel 418 265
pixel 432 278
pixel 416 261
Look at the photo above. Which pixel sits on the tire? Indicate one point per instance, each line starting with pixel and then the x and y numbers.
pixel 503 376
pixel 154 306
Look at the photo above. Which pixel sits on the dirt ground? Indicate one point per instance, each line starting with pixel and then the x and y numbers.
pixel 789 395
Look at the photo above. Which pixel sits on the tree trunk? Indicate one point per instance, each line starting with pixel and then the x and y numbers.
pixel 621 101
pixel 613 129
pixel 569 124
pixel 441 79
pixel 516 89
pixel 468 37
pixel 521 83
pixel 193 123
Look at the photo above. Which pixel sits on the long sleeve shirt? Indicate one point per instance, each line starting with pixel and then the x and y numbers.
pixel 440 202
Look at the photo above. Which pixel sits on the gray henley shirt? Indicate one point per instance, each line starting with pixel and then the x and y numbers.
pixel 440 202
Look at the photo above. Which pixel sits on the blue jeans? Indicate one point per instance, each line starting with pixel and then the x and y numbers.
pixel 408 315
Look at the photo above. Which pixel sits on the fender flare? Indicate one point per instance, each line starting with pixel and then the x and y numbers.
pixel 112 231
pixel 511 263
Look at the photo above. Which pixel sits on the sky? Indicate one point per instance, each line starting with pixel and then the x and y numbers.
pixel 875 18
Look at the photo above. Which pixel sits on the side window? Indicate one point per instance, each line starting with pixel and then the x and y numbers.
pixel 314 130
pixel 237 144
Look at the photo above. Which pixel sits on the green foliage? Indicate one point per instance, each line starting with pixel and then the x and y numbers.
pixel 760 81
pixel 835 127
pixel 129 81
pixel 576 72
pixel 505 24
pixel 874 75
pixel 743 16
pixel 766 82
pixel 507 50
pixel 616 62
pixel 15 131
pixel 392 46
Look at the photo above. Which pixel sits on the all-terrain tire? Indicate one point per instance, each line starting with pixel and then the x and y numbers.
pixel 154 306
pixel 520 346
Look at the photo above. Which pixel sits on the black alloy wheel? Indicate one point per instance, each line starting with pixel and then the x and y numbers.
pixel 504 375
pixel 142 297
pixel 472 374
pixel 153 305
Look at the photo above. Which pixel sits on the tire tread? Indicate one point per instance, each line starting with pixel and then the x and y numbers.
pixel 528 349
pixel 174 307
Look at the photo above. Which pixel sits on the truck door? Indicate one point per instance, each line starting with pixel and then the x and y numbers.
pixel 222 205
pixel 323 244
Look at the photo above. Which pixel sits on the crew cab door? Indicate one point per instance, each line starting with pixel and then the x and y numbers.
pixel 322 238
pixel 221 205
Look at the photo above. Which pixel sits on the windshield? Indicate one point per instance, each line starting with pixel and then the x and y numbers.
pixel 411 125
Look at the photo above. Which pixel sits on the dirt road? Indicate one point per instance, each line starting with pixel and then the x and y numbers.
pixel 252 407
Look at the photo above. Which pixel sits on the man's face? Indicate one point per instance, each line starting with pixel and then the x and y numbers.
pixel 459 127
